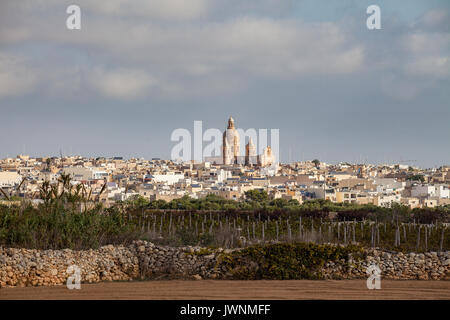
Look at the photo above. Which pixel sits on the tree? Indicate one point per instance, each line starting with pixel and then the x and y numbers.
pixel 316 162
pixel 257 195
pixel 417 177
pixel 138 201
pixel 158 204
pixel 48 162
pixel 279 203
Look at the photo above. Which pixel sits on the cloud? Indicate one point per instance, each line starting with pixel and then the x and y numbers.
pixel 255 46
pixel 434 17
pixel 423 42
pixel 213 55
pixel 427 54
pixel 14 35
pixel 15 78
pixel 159 10
pixel 176 48
pixel 436 66
pixel 169 10
pixel 122 83
pixel 399 88
pixel 269 47
pixel 65 81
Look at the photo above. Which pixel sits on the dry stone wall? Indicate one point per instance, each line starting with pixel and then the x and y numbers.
pixel 145 260
pixel 394 265
pixel 24 267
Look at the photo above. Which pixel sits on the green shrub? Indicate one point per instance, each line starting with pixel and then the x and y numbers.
pixel 285 261
pixel 59 228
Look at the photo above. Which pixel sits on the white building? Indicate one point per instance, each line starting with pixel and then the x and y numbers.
pixel 223 175
pixel 386 200
pixel 9 178
pixel 388 185
pixel 99 174
pixel 441 191
pixel 169 178
pixel 78 173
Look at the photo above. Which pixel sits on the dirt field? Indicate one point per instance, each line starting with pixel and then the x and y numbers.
pixel 259 290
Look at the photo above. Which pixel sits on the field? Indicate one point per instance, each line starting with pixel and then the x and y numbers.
pixel 249 290
pixel 71 217
pixel 238 229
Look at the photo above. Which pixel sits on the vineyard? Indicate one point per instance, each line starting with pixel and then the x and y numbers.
pixel 240 229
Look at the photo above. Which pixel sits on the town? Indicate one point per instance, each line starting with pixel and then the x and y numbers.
pixel 156 179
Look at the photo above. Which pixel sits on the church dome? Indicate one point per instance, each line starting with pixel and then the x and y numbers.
pixel 231 123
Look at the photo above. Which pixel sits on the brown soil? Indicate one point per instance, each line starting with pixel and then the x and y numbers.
pixel 222 289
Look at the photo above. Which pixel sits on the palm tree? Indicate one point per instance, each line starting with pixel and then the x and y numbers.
pixel 65 179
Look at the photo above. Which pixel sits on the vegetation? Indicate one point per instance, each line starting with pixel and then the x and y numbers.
pixel 417 177
pixel 285 261
pixel 68 217
pixel 258 202
pixel 72 217
pixel 59 228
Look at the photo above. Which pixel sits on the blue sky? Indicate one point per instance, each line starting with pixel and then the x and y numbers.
pixel 138 70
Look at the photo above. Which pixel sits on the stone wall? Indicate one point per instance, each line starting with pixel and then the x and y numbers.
pixel 144 260
pixel 23 267
pixel 394 265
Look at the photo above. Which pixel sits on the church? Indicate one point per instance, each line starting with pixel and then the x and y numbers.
pixel 231 149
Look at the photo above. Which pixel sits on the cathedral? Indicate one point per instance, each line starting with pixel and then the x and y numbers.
pixel 231 149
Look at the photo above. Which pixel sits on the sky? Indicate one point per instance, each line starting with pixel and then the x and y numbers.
pixel 138 70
